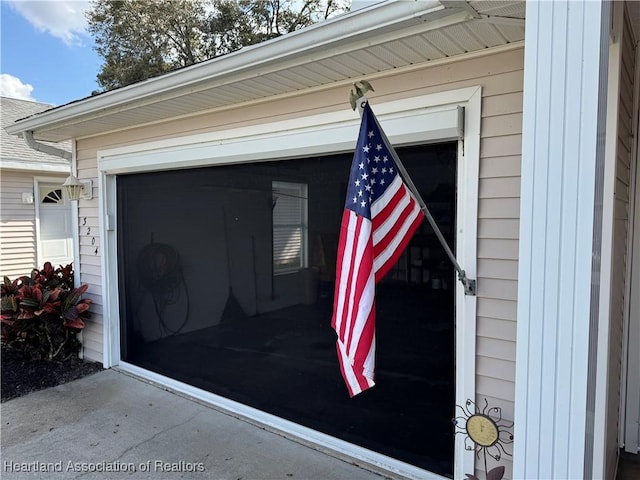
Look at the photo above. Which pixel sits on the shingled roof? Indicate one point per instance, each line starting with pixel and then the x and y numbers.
pixel 14 152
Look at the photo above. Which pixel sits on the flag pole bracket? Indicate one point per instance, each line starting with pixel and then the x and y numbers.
pixel 468 283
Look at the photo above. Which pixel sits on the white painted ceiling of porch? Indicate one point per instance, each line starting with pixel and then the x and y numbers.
pixel 495 23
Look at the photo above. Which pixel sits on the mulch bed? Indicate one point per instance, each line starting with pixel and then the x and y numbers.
pixel 21 376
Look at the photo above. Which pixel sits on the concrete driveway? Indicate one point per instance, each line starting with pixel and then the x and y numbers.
pixel 113 426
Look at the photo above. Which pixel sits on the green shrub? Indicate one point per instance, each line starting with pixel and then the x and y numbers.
pixel 43 313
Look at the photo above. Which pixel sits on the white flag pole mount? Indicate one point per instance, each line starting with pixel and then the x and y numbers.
pixel 360 101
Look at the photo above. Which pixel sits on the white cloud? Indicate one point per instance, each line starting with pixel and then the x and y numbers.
pixel 13 87
pixel 60 18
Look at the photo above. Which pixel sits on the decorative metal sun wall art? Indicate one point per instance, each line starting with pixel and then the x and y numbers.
pixel 486 432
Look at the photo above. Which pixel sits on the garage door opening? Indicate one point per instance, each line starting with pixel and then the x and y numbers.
pixel 226 283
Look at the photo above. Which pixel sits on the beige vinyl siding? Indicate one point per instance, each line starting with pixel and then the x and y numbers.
pixel 498 230
pixel 17 225
pixel 90 249
pixel 501 77
pixel 620 240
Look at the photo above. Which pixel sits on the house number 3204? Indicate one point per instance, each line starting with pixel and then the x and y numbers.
pixel 93 239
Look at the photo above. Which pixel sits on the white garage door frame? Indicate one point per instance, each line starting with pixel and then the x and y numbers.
pixel 417 120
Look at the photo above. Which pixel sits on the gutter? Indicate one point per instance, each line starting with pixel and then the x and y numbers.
pixel 342 30
pixel 41 147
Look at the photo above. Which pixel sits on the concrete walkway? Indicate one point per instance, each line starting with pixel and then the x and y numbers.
pixel 111 421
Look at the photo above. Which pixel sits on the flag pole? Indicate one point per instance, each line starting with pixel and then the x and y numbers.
pixel 468 283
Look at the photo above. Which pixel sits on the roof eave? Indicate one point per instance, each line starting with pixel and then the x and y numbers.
pixel 297 45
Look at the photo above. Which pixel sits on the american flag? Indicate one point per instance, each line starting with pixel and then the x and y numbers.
pixel 379 218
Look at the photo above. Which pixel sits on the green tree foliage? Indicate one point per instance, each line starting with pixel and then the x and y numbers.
pixel 141 39
pixel 144 38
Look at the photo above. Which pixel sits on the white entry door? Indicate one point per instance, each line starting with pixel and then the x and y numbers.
pixel 55 234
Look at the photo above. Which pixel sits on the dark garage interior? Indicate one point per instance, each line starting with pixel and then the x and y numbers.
pixel 226 278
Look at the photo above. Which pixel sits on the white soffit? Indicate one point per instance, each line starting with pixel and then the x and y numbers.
pixel 370 41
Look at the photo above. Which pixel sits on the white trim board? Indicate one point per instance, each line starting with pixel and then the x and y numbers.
pixel 421 119
pixel 36 167
pixel 603 380
pixel 562 148
pixel 417 120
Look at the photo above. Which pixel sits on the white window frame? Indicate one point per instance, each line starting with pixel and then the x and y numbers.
pixel 417 120
pixel 301 192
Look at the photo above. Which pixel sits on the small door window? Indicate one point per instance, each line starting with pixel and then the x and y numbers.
pixel 51 195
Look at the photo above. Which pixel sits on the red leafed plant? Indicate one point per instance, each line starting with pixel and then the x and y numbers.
pixel 43 313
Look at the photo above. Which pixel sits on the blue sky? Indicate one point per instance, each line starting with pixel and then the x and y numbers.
pixel 46 53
